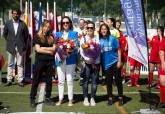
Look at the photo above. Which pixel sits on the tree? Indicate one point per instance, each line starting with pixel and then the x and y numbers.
pixel 156 6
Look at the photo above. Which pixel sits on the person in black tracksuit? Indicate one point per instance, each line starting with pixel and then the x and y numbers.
pixel 44 60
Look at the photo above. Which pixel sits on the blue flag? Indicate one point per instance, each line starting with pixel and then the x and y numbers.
pixel 134 20
pixel 40 16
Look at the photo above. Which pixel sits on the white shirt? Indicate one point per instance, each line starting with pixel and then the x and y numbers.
pixel 65 36
pixel 15 24
pixel 87 59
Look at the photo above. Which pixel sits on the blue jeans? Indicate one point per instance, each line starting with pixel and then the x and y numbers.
pixel 90 73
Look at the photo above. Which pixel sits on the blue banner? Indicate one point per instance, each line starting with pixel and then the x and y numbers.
pixel 134 21
pixel 40 16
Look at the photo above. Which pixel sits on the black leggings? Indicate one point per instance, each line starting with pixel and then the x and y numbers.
pixel 42 66
pixel 109 73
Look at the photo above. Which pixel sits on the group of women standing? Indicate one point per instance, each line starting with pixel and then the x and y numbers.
pixel 110 58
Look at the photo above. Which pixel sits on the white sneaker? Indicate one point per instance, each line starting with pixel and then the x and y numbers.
pixel 70 103
pixel 59 103
pixel 92 101
pixel 86 102
pixel 123 82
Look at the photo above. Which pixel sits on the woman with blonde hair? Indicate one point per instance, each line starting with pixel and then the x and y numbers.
pixel 44 59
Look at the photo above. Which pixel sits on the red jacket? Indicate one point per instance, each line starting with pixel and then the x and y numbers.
pixel 154 45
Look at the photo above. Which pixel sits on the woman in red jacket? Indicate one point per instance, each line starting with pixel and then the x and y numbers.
pixel 154 56
pixel 162 67
pixel 124 49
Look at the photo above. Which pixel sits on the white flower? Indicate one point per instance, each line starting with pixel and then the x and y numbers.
pixel 91 47
pixel 61 46
pixel 68 45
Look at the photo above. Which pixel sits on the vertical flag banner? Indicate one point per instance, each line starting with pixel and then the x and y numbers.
pixel 26 13
pixel 40 16
pixel 47 11
pixel 55 22
pixel 134 20
pixel 31 20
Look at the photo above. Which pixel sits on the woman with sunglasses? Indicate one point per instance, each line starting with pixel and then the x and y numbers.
pixel 91 67
pixel 67 68
pixel 44 61
pixel 111 62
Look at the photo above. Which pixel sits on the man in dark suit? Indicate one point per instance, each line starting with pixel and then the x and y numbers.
pixel 16 36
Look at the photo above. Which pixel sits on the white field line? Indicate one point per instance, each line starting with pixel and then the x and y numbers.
pixel 41 98
pixel 100 93
pixel 47 113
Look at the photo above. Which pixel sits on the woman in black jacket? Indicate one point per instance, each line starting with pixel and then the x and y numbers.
pixel 44 47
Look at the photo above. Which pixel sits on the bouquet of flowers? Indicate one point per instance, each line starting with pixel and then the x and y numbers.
pixel 91 49
pixel 64 48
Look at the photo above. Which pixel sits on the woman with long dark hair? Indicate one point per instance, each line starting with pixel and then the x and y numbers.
pixel 162 67
pixel 111 62
pixel 44 60
pixel 111 22
pixel 66 69
pixel 124 49
pixel 154 55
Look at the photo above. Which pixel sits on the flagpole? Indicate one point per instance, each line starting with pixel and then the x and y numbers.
pixel 105 7
pixel 26 22
pixel 21 5
pixel 40 15
pixel 47 10
pixel 149 88
pixel 31 19
pixel 150 110
pixel 31 24
pixel 72 9
pixel 55 29
pixel 26 12
pixel 146 13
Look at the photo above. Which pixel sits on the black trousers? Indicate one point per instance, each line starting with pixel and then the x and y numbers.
pixel 42 66
pixel 109 73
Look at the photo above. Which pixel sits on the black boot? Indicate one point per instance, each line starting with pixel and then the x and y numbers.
pixel 121 102
pixel 49 102
pixel 110 101
pixel 32 103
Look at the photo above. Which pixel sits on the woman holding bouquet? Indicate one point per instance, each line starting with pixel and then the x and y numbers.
pixel 44 60
pixel 111 62
pixel 66 68
pixel 90 52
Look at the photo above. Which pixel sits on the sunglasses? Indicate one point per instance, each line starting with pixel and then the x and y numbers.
pixel 65 23
pixel 15 13
pixel 90 28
